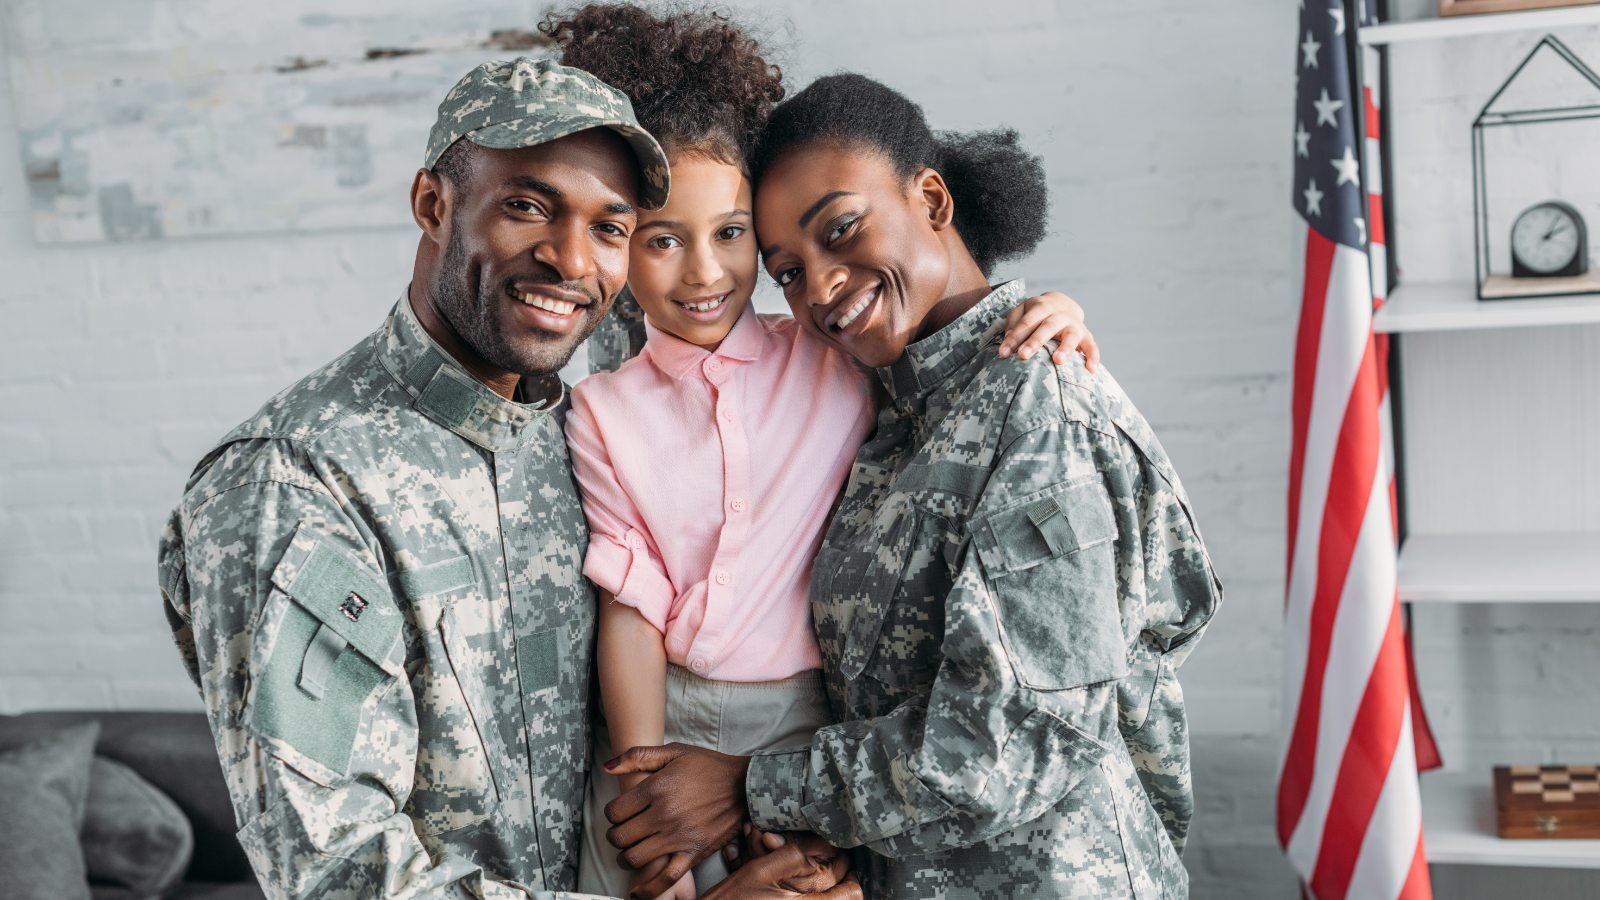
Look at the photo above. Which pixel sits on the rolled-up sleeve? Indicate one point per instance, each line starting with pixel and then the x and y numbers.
pixel 622 556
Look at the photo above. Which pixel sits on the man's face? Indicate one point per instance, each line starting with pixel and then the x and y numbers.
pixel 537 248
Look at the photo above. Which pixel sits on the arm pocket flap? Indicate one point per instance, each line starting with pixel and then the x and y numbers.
pixel 340 593
pixel 1062 519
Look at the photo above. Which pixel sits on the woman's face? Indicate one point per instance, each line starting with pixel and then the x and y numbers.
pixel 857 251
pixel 692 264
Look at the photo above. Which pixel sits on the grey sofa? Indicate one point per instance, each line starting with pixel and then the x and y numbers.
pixel 174 752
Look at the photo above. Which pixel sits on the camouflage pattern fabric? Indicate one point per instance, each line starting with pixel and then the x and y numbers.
pixel 1002 601
pixel 508 104
pixel 376 584
pixel 620 335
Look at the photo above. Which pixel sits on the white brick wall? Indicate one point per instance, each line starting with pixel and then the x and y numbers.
pixel 1165 127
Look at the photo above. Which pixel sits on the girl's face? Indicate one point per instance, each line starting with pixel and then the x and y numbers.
pixel 692 264
pixel 858 251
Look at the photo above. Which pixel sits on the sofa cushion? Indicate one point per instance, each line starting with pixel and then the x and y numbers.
pixel 174 752
pixel 43 789
pixel 133 835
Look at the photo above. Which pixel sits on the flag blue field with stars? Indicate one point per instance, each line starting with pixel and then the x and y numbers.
pixel 1327 167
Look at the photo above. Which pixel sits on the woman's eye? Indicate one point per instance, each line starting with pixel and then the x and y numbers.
pixel 838 230
pixel 786 276
pixel 665 242
pixel 730 232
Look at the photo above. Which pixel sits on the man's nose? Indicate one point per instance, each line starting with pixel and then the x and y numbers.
pixel 567 250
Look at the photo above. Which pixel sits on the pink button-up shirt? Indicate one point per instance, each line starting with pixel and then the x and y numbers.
pixel 709 479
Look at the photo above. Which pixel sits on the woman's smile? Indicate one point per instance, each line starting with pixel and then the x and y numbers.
pixel 851 310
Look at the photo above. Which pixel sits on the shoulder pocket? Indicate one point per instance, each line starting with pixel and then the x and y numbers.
pixel 1052 561
pixel 321 651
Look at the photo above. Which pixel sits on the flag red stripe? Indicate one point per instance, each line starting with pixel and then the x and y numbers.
pixel 1319 269
pixel 1417 886
pixel 1372 112
pixel 1374 735
pixel 1355 465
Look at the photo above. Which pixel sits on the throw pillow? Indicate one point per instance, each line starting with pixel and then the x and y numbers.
pixel 43 789
pixel 134 836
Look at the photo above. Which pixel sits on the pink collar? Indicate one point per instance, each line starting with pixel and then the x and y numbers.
pixel 677 357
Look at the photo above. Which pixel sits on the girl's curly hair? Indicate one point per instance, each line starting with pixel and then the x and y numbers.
pixel 697 81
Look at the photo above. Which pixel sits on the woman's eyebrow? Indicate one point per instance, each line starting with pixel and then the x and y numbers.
pixel 808 215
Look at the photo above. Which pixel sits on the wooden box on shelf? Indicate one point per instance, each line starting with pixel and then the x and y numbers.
pixel 1547 802
pixel 1474 7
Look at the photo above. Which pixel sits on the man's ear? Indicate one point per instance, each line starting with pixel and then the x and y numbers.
pixel 929 186
pixel 430 202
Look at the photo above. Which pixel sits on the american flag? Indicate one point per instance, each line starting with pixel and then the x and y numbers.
pixel 1349 807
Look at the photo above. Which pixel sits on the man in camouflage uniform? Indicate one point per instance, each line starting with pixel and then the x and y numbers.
pixel 1002 600
pixel 375 581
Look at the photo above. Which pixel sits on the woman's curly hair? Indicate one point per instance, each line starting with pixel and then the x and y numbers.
pixel 697 81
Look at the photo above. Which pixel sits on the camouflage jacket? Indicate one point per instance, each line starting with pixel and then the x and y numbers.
pixel 1002 599
pixel 376 583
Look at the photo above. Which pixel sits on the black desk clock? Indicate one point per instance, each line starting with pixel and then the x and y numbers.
pixel 1549 240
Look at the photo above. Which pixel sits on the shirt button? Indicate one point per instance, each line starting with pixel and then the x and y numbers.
pixel 699 665
pixel 637 543
pixel 727 414
pixel 737 504
pixel 723 577
pixel 715 365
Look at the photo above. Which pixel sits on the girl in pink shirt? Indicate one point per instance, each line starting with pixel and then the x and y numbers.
pixel 710 463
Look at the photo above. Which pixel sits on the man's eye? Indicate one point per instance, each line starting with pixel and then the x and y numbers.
pixel 612 229
pixel 665 242
pixel 730 232
pixel 786 276
pixel 523 206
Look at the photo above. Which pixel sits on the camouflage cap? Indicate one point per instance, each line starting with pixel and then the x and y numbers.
pixel 523 102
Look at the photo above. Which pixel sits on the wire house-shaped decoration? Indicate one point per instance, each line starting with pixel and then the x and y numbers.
pixel 1553 163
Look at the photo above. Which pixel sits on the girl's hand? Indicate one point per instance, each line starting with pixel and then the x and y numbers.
pixel 1051 316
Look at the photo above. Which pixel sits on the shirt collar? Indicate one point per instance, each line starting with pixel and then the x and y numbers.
pixel 447 393
pixel 678 358
pixel 932 359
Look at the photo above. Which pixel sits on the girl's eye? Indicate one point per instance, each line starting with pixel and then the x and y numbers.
pixel 786 276
pixel 730 232
pixel 665 242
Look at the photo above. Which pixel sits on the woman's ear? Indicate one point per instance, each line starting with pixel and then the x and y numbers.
pixel 935 195
pixel 430 206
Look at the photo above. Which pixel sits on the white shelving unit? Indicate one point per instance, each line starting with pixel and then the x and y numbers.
pixel 1459 829
pixel 1563 567
pixel 1459 395
pixel 1453 307
pixel 1464 26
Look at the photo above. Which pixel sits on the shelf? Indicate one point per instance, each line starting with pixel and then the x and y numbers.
pixel 1493 23
pixel 1459 828
pixel 1500 568
pixel 1455 306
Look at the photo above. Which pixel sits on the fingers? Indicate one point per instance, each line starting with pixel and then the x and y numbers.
pixel 678 865
pixel 1056 326
pixel 645 759
pixel 848 889
pixel 1021 324
pixel 1091 352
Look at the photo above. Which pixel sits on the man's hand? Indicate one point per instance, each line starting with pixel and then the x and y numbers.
pixel 692 807
pixel 784 872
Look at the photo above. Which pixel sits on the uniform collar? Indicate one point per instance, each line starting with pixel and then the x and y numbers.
pixel 678 358
pixel 447 393
pixel 932 359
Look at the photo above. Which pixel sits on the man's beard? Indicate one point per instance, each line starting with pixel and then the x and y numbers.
pixel 469 305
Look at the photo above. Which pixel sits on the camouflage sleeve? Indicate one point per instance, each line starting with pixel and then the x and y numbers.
pixel 619 337
pixel 287 623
